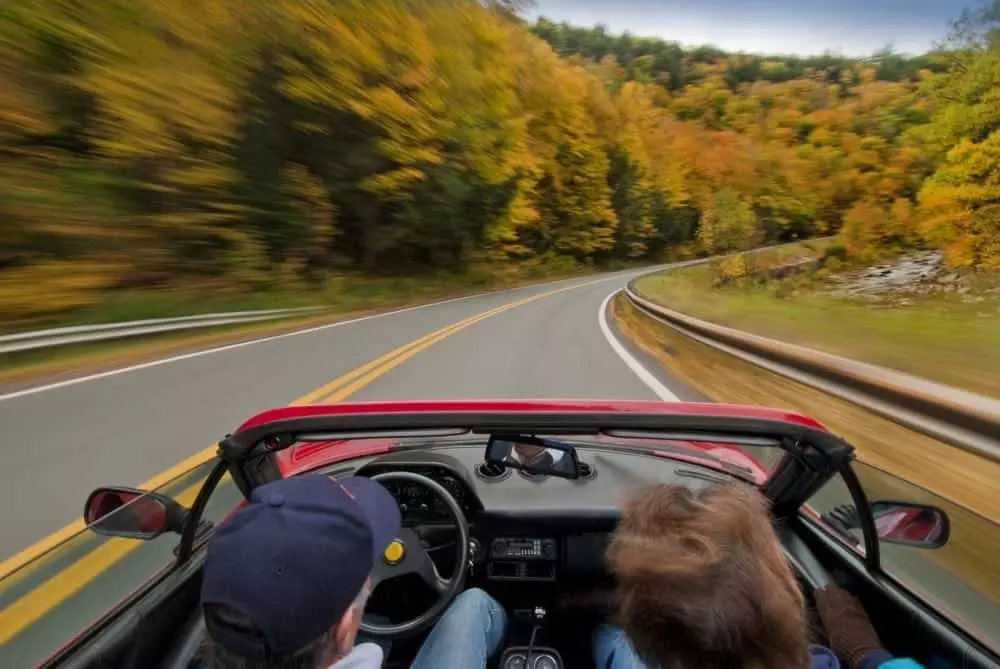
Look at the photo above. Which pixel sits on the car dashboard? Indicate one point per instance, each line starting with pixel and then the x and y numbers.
pixel 418 504
pixel 526 528
pixel 534 540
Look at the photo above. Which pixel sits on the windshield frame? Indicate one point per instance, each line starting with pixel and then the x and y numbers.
pixel 812 454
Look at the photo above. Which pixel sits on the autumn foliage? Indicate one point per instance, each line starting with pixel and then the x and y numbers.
pixel 889 151
pixel 246 145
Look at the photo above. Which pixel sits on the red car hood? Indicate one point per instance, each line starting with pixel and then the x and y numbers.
pixel 307 456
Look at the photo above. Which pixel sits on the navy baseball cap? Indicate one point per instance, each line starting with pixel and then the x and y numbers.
pixel 294 559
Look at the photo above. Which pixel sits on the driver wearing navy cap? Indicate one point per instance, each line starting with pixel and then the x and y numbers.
pixel 287 577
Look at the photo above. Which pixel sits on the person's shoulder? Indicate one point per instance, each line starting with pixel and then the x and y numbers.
pixel 362 656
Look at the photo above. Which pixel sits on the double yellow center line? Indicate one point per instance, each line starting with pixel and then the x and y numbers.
pixel 348 384
pixel 36 603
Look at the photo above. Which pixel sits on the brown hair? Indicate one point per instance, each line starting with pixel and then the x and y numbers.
pixel 703 582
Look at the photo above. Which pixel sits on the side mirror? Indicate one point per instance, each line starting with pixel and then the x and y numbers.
pixel 536 456
pixel 133 513
pixel 910 524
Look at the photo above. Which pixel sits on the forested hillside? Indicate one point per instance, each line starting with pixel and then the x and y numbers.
pixel 889 150
pixel 246 145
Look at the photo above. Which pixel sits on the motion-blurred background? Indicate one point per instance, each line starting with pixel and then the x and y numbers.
pixel 267 165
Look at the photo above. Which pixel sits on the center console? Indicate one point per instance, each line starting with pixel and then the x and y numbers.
pixel 524 657
pixel 533 655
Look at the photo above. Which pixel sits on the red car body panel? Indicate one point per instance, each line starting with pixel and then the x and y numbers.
pixel 634 406
pixel 308 456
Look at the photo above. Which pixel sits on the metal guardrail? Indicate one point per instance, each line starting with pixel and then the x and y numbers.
pixel 966 420
pixel 26 341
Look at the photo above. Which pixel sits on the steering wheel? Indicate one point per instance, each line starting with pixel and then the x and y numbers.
pixel 415 560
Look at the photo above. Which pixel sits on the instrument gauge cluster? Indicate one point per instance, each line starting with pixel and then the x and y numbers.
pixel 417 502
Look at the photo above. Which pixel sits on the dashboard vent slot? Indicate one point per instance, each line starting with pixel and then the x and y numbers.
pixel 585 470
pixel 492 471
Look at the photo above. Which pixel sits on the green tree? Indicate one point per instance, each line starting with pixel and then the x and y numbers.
pixel 728 224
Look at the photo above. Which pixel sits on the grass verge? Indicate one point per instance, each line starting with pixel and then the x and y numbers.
pixel 937 337
pixel 966 481
pixel 29 366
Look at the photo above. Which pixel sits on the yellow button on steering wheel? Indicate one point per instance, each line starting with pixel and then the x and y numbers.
pixel 394 552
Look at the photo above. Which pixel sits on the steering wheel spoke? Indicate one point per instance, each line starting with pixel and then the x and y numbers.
pixel 433 578
pixel 407 555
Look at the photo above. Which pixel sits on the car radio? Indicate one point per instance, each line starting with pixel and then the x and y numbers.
pixel 522 559
pixel 523 548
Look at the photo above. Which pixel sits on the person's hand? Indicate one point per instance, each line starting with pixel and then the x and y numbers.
pixel 847 625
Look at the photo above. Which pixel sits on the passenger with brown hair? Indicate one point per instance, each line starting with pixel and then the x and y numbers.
pixel 702 581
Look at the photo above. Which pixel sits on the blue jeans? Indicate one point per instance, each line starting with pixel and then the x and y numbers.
pixel 469 632
pixel 612 649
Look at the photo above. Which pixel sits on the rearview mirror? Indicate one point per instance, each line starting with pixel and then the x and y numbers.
pixel 536 456
pixel 133 513
pixel 910 524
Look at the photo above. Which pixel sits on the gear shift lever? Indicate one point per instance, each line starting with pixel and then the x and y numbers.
pixel 538 613
pixel 523 656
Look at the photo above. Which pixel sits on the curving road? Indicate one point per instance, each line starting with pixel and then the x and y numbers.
pixel 61 441
pixel 124 426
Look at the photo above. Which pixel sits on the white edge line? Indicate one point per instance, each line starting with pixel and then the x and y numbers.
pixel 220 349
pixel 644 374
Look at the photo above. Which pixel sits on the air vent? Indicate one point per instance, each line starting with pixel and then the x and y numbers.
pixel 492 471
pixel 585 471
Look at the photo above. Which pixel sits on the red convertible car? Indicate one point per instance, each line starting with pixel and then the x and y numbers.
pixel 487 519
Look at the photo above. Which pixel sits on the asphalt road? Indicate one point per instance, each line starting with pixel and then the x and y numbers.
pixel 60 442
pixel 124 427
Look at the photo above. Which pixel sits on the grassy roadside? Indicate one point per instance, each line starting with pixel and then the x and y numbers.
pixel 354 300
pixel 340 292
pixel 967 481
pixel 938 337
pixel 33 365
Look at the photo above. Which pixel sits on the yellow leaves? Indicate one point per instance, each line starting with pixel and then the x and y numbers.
pixel 863 227
pixel 21 113
pixel 311 205
pixel 904 220
pixel 960 204
pixel 48 287
pixel 727 224
pixel 389 184
pixel 241 138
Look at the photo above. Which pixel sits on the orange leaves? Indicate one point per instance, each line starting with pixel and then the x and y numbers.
pixel 863 227
pixel 960 204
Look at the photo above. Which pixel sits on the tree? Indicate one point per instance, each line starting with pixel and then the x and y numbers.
pixel 728 224
pixel 961 204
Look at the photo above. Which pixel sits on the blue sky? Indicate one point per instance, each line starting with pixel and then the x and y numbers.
pixel 850 27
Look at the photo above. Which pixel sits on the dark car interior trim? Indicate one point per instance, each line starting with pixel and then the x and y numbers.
pixel 907 623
